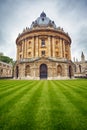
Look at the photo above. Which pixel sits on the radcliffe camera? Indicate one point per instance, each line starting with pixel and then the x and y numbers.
pixel 43 65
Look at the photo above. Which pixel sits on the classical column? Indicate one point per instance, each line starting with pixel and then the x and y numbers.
pixel 49 46
pixel 69 51
pixel 51 49
pixel 23 48
pixel 25 53
pixel 53 46
pixel 33 47
pixel 36 49
pixel 63 48
pixel 61 51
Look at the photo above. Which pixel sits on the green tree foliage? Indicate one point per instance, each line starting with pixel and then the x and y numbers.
pixel 6 59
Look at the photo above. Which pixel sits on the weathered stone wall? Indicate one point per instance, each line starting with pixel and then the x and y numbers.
pixel 52 69
pixel 56 45
pixel 80 69
pixel 5 69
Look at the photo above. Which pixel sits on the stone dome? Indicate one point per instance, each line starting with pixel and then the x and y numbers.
pixel 43 21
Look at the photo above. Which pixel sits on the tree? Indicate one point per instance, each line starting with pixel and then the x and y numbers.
pixel 6 59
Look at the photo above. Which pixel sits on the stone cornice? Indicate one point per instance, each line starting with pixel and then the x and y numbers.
pixel 58 60
pixel 35 32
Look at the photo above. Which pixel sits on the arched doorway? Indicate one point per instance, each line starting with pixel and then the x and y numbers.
pixel 43 71
pixel 17 71
pixel 70 71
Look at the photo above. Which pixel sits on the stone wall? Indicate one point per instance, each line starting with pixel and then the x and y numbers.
pixel 5 70
pixel 55 70
pixel 56 45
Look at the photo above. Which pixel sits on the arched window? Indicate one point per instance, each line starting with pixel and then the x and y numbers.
pixel 80 68
pixel 1 71
pixel 27 70
pixel 59 70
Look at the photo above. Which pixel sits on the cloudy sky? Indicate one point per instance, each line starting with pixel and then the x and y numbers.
pixel 15 15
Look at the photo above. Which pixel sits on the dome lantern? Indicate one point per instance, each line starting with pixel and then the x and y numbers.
pixel 43 14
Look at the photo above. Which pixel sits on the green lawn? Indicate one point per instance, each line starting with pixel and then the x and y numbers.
pixel 43 105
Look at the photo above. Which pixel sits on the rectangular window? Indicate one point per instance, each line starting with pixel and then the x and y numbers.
pixel 29 44
pixel 29 54
pixel 57 54
pixel 43 53
pixel 43 43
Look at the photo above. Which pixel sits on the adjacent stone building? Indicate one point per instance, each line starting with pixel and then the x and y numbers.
pixel 81 67
pixel 5 70
pixel 43 51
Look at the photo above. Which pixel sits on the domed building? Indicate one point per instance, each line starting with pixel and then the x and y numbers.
pixel 43 51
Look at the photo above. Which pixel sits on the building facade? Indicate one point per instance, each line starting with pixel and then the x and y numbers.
pixel 5 70
pixel 81 67
pixel 43 51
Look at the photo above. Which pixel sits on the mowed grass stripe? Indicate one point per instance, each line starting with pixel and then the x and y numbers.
pixel 4 84
pixel 13 89
pixel 77 98
pixel 63 110
pixel 77 89
pixel 45 105
pixel 9 100
pixel 11 83
pixel 76 85
pixel 75 92
pixel 21 112
pixel 75 110
pixel 70 111
pixel 42 116
pixel 56 109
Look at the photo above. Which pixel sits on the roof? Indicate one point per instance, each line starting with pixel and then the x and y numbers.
pixel 43 21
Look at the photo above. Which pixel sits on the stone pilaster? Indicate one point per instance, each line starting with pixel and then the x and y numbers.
pixel 53 46
pixel 23 48
pixel 69 52
pixel 61 51
pixel 25 53
pixel 18 51
pixel 63 48
pixel 33 47
pixel 36 50
pixel 49 47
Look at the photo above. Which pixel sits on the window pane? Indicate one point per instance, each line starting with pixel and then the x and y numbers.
pixel 43 43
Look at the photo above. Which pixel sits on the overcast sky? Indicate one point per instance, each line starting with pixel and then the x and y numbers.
pixel 15 15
